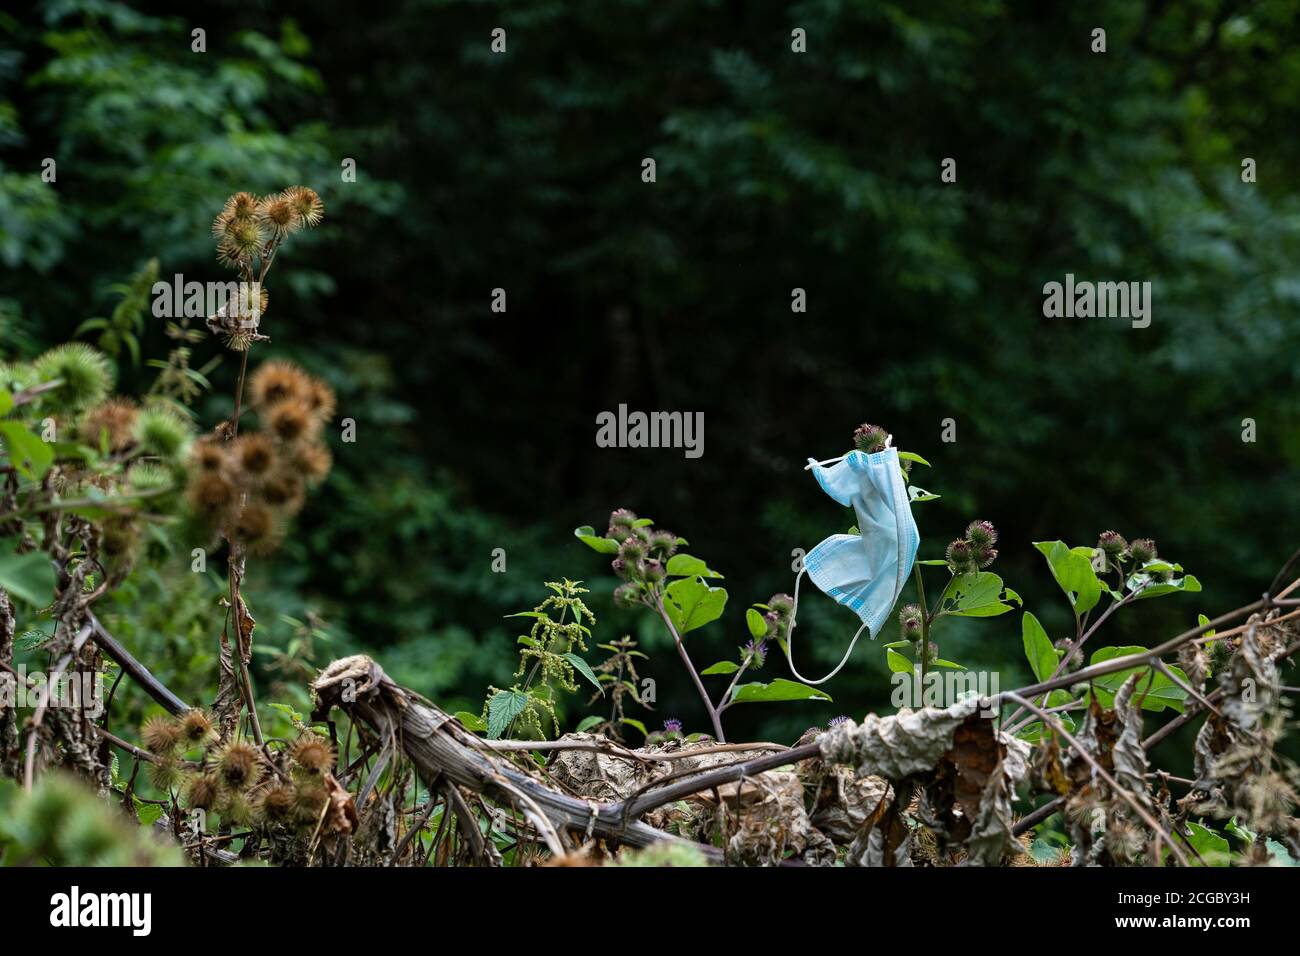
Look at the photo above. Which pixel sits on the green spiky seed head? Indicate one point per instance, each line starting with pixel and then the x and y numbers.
pixel 163 434
pixel 86 374
pixel 663 544
pixel 627 595
pixel 146 476
pixel 981 533
pixel 1143 550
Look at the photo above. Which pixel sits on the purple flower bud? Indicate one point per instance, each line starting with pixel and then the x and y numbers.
pixel 620 523
pixel 672 726
pixel 836 721
pixel 981 533
pixel 1112 543
pixel 1143 550
pixel 870 438
pixel 781 604
pixel 910 620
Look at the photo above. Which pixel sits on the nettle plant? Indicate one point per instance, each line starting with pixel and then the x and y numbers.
pixel 549 665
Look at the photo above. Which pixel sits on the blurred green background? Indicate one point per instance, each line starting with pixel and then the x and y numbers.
pixel 776 170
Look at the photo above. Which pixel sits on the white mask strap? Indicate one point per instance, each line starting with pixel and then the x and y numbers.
pixel 789 639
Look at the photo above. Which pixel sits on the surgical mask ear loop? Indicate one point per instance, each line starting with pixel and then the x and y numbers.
pixel 789 640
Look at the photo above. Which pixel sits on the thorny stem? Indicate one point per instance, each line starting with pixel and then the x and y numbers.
pixel 695 677
pixel 924 654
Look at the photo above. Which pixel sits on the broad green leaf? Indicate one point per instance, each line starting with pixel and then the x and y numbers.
pixel 27 577
pixel 917 495
pixel 1072 568
pixel 686 565
pixel 587 535
pixel 633 722
pixel 690 603
pixel 591 720
pixel 1038 647
pixel 779 689
pixel 974 595
pixel 27 453
pixel 1212 847
pixel 1187 583
pixel 898 663
pixel 6 402
pixel 722 667
pixel 583 668
pixel 471 722
pixel 940 662
pixel 1155 690
pixel 504 707
pixel 913 456
pixel 643 522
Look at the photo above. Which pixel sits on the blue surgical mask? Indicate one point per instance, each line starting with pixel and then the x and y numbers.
pixel 868 570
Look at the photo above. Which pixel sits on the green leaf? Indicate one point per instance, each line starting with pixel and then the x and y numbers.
pixel 974 595
pixel 779 689
pixel 756 623
pixel 503 708
pixel 913 456
pixel 1212 847
pixel 940 662
pixel 587 535
pixel 27 453
pixel 722 667
pixel 1072 568
pixel 633 722
pixel 6 402
pixel 916 495
pixel 1155 689
pixel 690 603
pixel 28 577
pixel 591 720
pixel 583 668
pixel 1038 647
pixel 686 565
pixel 1187 583
pixel 898 663
pixel 1034 732
pixel 471 722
